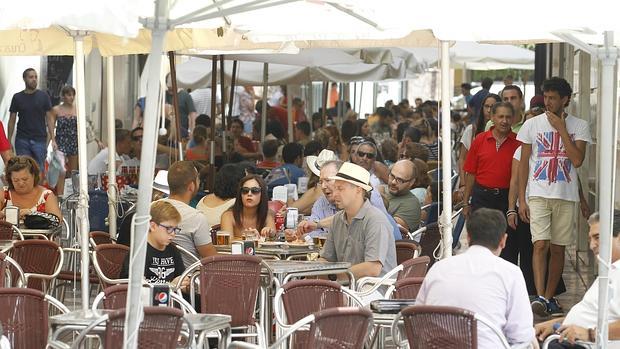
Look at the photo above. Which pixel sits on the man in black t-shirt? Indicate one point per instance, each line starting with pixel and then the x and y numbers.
pixel 33 107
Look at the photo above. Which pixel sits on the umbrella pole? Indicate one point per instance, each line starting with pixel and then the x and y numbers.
pixel 82 214
pixel 142 217
pixel 325 94
pixel 175 102
pixel 263 119
pixel 213 112
pixel 223 92
pixel 289 111
pixel 446 155
pixel 233 86
pixel 607 162
pixel 112 199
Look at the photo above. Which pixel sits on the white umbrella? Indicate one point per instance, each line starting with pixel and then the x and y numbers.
pixel 476 56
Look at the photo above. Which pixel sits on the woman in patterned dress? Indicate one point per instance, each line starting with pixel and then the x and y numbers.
pixel 64 135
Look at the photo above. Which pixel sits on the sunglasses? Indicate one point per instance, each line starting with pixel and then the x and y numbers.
pixel 170 230
pixel 137 138
pixel 361 154
pixel 254 190
pixel 403 156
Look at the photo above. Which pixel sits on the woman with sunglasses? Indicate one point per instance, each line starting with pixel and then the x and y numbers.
pixel 164 263
pixel 250 211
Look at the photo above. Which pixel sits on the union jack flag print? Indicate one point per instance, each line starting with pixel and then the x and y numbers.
pixel 553 164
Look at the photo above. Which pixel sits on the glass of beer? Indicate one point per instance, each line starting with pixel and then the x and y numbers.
pixel 223 238
pixel 249 235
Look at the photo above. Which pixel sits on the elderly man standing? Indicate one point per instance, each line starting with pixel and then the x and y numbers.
pixel 479 281
pixel 402 204
pixel 488 164
pixel 360 233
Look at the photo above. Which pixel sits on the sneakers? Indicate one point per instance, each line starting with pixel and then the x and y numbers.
pixel 543 307
pixel 539 306
pixel 554 309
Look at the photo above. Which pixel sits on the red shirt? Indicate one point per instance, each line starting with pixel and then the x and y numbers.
pixel 491 166
pixel 4 142
pixel 280 114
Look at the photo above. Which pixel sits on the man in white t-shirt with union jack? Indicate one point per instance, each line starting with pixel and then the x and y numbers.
pixel 554 145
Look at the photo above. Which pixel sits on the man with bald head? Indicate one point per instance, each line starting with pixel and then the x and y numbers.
pixel 402 204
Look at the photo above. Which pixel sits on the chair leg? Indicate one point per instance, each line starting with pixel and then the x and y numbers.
pixel 260 336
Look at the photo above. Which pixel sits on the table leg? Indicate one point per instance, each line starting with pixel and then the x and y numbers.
pixel 225 341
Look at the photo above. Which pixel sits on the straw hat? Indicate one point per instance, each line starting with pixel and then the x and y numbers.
pixel 315 163
pixel 161 182
pixel 354 174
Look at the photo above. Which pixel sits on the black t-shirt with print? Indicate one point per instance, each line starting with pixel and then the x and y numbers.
pixel 160 266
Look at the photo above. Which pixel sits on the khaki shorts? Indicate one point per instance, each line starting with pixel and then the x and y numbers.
pixel 552 220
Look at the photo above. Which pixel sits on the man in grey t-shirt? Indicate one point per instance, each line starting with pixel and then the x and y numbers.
pixel 402 204
pixel 360 233
pixel 195 235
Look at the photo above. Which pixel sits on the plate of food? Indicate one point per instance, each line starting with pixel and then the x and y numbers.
pixel 299 243
pixel 271 243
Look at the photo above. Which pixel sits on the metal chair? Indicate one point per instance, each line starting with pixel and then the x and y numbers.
pixel 8 266
pixel 71 274
pixel 405 250
pixel 299 298
pixel 8 232
pixel 415 267
pixel 115 297
pixel 229 284
pixel 407 288
pixel 99 238
pixel 160 329
pixel 186 253
pixel 108 262
pixel 330 328
pixel 429 326
pixel 24 316
pixel 41 261
pixel 430 237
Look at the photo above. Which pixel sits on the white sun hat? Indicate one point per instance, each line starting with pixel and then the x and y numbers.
pixel 354 174
pixel 315 163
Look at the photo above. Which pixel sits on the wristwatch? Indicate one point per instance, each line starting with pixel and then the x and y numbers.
pixel 318 223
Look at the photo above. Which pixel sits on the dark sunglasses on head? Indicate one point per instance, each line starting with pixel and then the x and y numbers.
pixel 361 154
pixel 254 190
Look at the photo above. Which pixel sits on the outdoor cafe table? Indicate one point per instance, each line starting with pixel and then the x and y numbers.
pixel 48 233
pixel 275 251
pixel 284 270
pixel 80 319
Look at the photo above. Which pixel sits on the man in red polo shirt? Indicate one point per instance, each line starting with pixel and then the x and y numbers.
pixel 487 168
pixel 5 146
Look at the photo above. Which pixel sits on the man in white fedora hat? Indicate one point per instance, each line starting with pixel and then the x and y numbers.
pixel 326 165
pixel 359 233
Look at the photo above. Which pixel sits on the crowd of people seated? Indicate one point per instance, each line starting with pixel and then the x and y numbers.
pixel 366 183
